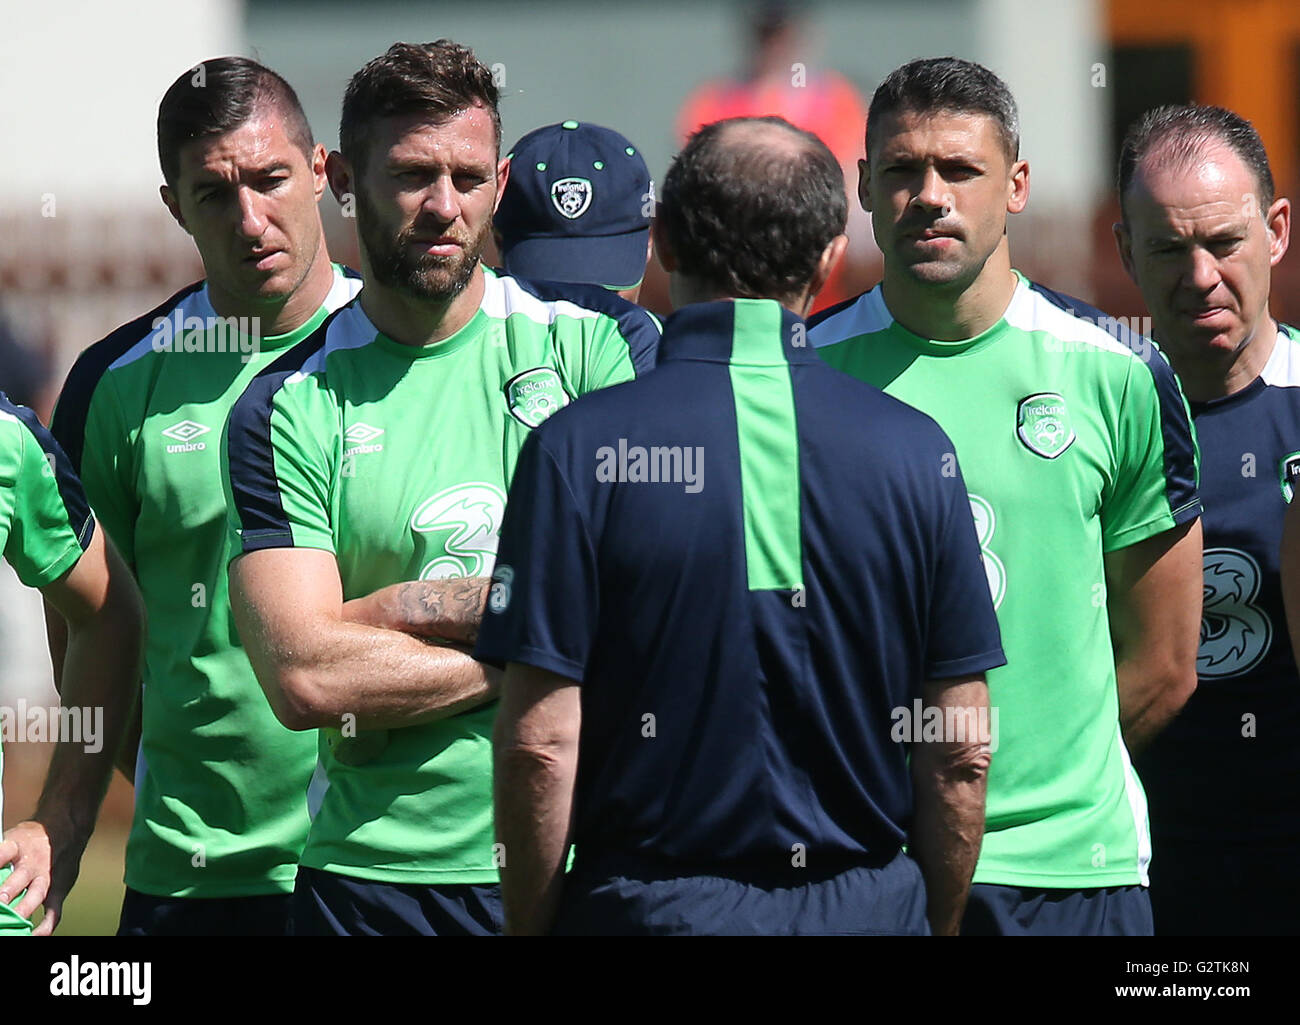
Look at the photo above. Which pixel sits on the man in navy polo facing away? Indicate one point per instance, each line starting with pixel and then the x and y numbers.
pixel 720 590
pixel 576 208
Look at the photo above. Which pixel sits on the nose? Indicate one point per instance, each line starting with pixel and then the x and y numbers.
pixel 933 192
pixel 441 200
pixel 252 218
pixel 1202 273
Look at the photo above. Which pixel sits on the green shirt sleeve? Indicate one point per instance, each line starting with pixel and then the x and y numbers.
pixel 281 463
pixel 46 527
pixel 1135 503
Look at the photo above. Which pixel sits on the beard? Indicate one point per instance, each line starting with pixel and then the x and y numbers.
pixel 395 264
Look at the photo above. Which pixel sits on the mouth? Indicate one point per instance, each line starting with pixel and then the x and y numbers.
pixel 264 260
pixel 442 245
pixel 933 237
pixel 1207 315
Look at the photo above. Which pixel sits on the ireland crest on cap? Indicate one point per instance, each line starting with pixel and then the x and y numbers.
pixel 534 395
pixel 571 196
pixel 1043 424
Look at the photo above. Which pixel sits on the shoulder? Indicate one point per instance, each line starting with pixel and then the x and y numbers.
pixel 546 302
pixel 127 344
pixel 305 363
pixel 133 340
pixel 13 437
pixel 347 284
pixel 564 308
pixel 1078 325
pixel 854 318
pixel 25 441
pixel 1283 367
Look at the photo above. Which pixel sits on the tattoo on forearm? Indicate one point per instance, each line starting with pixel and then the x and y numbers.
pixel 448 607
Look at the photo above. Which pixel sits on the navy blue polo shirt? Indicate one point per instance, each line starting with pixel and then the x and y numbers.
pixel 750 562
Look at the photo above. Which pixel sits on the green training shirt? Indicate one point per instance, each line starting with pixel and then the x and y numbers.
pixel 220 788
pixel 45 525
pixel 397 459
pixel 1072 445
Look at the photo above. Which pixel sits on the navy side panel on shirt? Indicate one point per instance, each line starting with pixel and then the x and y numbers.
pixel 725 722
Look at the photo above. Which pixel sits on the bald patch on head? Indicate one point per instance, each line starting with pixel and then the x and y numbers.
pixel 765 138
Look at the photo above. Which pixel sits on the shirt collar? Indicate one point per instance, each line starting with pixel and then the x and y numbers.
pixel 750 332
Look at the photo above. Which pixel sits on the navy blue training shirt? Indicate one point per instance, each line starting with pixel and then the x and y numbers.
pixel 1227 769
pixel 749 560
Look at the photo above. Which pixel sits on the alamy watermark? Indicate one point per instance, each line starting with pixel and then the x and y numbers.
pixel 38 724
pixel 933 724
pixel 1134 333
pixel 179 333
pixel 77 978
pixel 657 464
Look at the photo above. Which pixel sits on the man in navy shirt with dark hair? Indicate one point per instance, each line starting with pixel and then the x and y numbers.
pixel 729 591
pixel 1202 230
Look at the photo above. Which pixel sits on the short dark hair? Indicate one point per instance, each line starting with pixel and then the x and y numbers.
pixel 749 218
pixel 1180 133
pixel 439 80
pixel 218 96
pixel 947 85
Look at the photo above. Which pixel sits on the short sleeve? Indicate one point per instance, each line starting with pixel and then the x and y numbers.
pixel 1154 487
pixel 543 605
pixel 962 635
pixel 280 464
pixel 105 465
pixel 51 523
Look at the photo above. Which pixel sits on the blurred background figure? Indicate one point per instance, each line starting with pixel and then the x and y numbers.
pixel 777 80
pixel 576 208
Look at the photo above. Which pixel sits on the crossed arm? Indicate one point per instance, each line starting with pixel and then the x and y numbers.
pixel 99 601
pixel 320 659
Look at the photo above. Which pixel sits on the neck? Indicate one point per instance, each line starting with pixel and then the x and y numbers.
pixel 282 315
pixel 952 313
pixel 1206 377
pixel 685 291
pixel 417 322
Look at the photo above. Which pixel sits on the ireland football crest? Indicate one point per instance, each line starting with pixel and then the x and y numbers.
pixel 534 395
pixel 1043 424
pixel 1289 474
pixel 571 197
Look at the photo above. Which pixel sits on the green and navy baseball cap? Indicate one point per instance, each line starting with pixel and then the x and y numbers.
pixel 576 207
